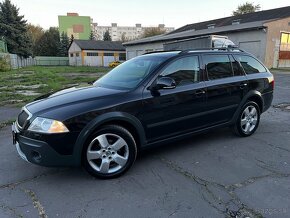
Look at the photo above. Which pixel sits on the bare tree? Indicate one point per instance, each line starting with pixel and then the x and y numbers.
pixel 153 31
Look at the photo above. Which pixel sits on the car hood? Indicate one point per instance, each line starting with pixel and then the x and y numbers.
pixel 70 96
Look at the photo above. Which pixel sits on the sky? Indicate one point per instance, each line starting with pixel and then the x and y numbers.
pixel 173 13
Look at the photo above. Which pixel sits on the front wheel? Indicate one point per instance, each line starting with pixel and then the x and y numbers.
pixel 248 120
pixel 110 152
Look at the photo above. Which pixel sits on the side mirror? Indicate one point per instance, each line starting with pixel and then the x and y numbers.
pixel 164 83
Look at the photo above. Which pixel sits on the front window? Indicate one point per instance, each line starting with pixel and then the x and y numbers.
pixel 184 71
pixel 129 74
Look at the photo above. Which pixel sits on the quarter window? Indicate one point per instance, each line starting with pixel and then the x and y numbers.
pixel 218 66
pixel 184 71
pixel 250 64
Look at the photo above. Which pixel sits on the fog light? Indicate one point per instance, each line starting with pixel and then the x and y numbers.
pixel 36 156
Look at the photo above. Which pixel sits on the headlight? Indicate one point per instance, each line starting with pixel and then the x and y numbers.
pixel 45 125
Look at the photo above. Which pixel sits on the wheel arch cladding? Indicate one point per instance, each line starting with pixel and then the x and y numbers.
pixel 131 123
pixel 255 96
pixel 259 100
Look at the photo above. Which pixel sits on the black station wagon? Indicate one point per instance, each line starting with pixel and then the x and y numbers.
pixel 151 99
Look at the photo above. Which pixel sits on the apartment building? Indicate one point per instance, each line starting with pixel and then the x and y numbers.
pixel 124 33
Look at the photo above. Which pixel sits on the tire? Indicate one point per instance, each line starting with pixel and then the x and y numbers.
pixel 109 152
pixel 248 120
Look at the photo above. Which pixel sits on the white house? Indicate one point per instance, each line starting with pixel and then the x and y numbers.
pixel 95 53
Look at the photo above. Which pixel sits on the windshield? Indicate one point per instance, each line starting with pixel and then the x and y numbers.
pixel 129 74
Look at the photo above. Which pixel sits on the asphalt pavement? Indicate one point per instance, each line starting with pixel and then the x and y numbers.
pixel 215 174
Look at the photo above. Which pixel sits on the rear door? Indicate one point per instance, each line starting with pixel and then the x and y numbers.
pixel 226 86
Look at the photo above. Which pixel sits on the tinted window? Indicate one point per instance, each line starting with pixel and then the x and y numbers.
pixel 184 70
pixel 250 64
pixel 218 66
pixel 129 74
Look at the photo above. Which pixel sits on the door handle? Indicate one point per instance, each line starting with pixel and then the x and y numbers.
pixel 199 92
pixel 243 85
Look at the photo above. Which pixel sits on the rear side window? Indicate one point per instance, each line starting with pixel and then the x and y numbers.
pixel 250 65
pixel 184 70
pixel 218 66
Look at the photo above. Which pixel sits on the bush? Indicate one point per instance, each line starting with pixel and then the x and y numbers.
pixel 4 64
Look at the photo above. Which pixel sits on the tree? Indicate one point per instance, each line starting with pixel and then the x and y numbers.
pixel 107 36
pixel 245 8
pixel 64 45
pixel 71 39
pixel 35 33
pixel 92 36
pixel 124 38
pixel 13 29
pixel 152 31
pixel 49 43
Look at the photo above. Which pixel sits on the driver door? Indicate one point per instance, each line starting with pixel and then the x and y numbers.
pixel 170 112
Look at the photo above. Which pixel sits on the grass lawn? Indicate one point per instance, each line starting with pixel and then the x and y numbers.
pixel 18 87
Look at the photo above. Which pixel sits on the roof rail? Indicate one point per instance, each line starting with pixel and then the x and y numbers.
pixel 153 52
pixel 230 48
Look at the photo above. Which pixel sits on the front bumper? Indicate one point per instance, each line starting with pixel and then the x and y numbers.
pixel 39 152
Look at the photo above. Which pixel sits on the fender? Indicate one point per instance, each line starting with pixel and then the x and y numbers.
pixel 252 93
pixel 98 121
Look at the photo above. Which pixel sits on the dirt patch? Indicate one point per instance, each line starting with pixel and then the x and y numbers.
pixel 283 106
pixel 30 86
pixel 27 93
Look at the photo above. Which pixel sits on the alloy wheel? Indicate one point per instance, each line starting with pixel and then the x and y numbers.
pixel 249 119
pixel 108 153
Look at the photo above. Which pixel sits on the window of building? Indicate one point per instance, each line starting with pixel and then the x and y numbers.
pixel 235 22
pixel 108 54
pixel 250 64
pixel 285 42
pixel 217 66
pixel 122 56
pixel 92 54
pixel 148 50
pixel 71 54
pixel 211 26
pixel 184 71
pixel 77 54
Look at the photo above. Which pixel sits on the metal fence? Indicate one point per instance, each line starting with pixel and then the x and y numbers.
pixel 16 61
pixel 51 61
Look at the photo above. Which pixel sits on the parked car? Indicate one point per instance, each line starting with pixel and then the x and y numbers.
pixel 114 64
pixel 151 99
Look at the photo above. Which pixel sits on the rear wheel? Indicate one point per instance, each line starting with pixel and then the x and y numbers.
pixel 248 120
pixel 110 152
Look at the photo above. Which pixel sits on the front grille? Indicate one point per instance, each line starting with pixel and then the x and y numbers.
pixel 22 117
